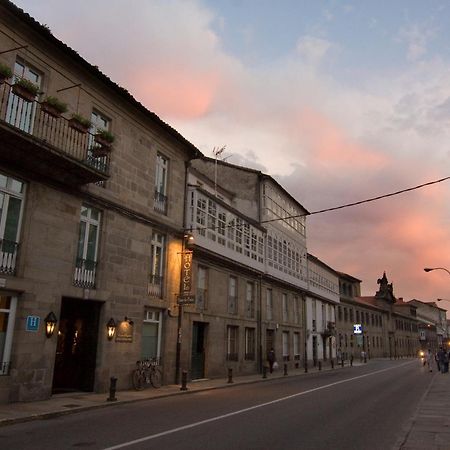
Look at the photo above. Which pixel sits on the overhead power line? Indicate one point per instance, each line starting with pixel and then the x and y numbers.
pixel 368 200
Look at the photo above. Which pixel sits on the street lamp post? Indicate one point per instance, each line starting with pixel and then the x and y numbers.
pixel 429 269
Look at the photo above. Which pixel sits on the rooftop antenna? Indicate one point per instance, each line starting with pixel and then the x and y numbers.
pixel 217 151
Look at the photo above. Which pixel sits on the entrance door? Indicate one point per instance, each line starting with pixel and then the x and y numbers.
pixel 269 340
pixel 77 346
pixel 198 350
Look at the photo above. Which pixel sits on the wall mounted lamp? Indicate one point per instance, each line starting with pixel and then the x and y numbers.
pixel 50 323
pixel 189 241
pixel 111 328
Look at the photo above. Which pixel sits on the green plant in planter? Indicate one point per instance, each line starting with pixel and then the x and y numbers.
pixel 56 104
pixel 5 72
pixel 79 123
pixel 104 136
pixel 27 85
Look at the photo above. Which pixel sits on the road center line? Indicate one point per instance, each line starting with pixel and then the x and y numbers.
pixel 251 408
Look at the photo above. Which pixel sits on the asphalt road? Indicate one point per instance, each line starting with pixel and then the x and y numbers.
pixel 365 407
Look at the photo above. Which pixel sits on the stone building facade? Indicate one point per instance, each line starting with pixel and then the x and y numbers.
pixel 385 326
pixel 89 231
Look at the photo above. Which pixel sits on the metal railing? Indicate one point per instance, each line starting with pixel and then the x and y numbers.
pixel 155 286
pixel 4 368
pixel 57 132
pixel 8 256
pixel 160 204
pixel 84 275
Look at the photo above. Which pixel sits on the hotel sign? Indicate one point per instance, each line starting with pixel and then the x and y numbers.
pixel 357 328
pixel 186 296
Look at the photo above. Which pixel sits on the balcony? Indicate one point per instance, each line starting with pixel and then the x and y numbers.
pixel 155 286
pixel 160 204
pixel 43 146
pixel 8 256
pixel 84 275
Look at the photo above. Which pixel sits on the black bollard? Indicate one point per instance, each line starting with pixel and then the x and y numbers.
pixel 183 381
pixel 332 364
pixel 112 390
pixel 365 358
pixel 306 366
pixel 342 362
pixel 264 372
pixel 230 375
pixel 285 369
pixel 320 365
pixel 351 361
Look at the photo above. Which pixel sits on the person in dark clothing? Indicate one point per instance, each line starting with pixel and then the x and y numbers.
pixel 271 359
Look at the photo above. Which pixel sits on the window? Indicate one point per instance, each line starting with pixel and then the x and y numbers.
pixel 324 317
pixel 7 314
pixel 151 334
pixel 285 345
pixel 232 295
pixel 162 165
pixel 269 304
pixel 20 113
pixel 340 312
pixel 98 122
pixel 157 256
pixel 345 315
pixel 86 264
pixel 202 291
pixel 250 343
pixel 351 315
pixel 284 302
pixel 250 300
pixel 296 310
pixel 11 205
pixel 296 342
pixel 232 343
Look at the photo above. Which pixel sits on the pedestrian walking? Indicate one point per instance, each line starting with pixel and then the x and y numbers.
pixel 446 361
pixel 271 359
pixel 428 359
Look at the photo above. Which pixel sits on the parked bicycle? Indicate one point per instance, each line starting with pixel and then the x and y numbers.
pixel 147 372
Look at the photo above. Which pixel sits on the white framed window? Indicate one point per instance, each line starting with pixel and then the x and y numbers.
pixel 157 261
pixel 296 345
pixel 151 334
pixel 285 310
pixel 12 192
pixel 296 310
pixel 250 343
pixel 21 113
pixel 232 343
pixel 250 300
pixel 162 170
pixel 202 287
pixel 232 295
pixel 86 263
pixel 285 345
pixel 8 305
pixel 269 304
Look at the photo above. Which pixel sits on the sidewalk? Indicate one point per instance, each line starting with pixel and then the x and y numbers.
pixel 430 427
pixel 62 404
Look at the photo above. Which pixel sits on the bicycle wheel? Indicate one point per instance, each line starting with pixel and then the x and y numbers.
pixel 155 378
pixel 138 380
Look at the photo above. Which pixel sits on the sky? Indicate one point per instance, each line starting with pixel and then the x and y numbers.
pixel 338 100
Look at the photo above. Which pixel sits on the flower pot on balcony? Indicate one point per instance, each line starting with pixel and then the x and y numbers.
pixel 53 107
pixel 104 138
pixel 25 89
pixel 79 123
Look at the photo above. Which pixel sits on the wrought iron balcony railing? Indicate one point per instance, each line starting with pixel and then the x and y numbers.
pixel 57 134
pixel 8 256
pixel 84 275
pixel 155 286
pixel 4 368
pixel 160 204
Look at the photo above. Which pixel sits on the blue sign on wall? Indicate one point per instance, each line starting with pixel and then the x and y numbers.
pixel 33 323
pixel 357 328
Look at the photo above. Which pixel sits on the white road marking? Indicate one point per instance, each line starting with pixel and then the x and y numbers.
pixel 241 411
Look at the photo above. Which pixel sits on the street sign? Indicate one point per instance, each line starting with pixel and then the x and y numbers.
pixel 357 328
pixel 32 323
pixel 186 300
